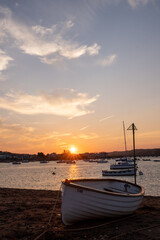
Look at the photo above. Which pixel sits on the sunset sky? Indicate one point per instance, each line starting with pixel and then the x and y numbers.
pixel 71 71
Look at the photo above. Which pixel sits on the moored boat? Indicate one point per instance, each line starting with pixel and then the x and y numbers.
pixel 84 199
pixel 70 162
pixel 124 160
pixel 25 161
pixel 43 161
pixel 140 173
pixel 127 172
pixel 102 161
pixel 16 162
pixel 122 165
pixel 61 161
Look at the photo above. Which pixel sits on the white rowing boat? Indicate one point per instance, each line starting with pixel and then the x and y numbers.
pixel 84 199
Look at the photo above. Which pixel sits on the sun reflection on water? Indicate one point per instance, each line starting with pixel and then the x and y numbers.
pixel 73 171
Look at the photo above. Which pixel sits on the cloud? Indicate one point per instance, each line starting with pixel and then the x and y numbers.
pixel 42 30
pixel 132 3
pixel 49 136
pixel 87 136
pixel 135 3
pixel 9 129
pixel 50 60
pixel 83 128
pixel 103 119
pixel 94 49
pixel 149 134
pixel 38 40
pixel 65 102
pixel 28 138
pixel 107 61
pixel 4 62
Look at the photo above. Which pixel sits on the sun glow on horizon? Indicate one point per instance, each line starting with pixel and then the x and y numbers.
pixel 73 149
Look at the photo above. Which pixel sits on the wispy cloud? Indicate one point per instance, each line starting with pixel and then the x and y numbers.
pixel 107 61
pixel 87 136
pixel 4 63
pixel 64 102
pixel 136 3
pixel 42 31
pixel 103 119
pixel 9 129
pixel 83 128
pixel 49 136
pixel 132 3
pixel 38 40
pixel 149 134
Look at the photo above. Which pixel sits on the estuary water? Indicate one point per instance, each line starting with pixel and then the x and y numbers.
pixel 36 175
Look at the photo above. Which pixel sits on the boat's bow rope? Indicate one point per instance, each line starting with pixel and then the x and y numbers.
pixel 54 206
pixel 51 216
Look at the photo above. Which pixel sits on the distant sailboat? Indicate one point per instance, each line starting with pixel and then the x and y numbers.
pixel 123 163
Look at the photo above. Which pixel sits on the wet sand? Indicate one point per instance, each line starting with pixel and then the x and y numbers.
pixel 32 214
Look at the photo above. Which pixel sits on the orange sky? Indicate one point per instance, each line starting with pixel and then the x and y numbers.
pixel 71 75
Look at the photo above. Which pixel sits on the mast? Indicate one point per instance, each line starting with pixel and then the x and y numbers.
pixel 125 145
pixel 133 128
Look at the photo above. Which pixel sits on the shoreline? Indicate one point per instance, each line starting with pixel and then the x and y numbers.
pixel 25 213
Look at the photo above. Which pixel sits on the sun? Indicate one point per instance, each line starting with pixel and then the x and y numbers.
pixel 73 149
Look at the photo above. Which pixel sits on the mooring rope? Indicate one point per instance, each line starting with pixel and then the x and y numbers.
pixel 54 206
pixel 52 211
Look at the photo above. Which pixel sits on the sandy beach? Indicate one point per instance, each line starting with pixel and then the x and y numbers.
pixel 32 214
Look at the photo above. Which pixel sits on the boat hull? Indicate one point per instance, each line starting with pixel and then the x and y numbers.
pixel 92 199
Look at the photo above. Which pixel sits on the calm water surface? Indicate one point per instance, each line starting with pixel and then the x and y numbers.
pixel 35 175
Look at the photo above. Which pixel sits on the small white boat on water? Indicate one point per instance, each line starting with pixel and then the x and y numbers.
pixel 102 161
pixel 43 161
pixel 84 199
pixel 61 161
pixel 127 172
pixel 70 162
pixel 124 160
pixel 122 165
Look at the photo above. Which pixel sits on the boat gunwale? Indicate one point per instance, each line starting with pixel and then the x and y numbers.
pixel 68 182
